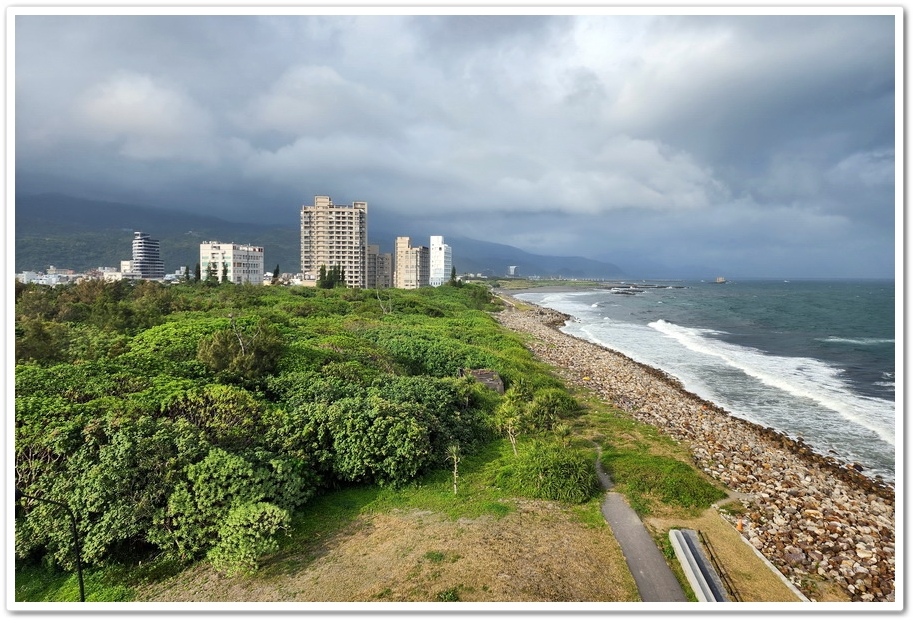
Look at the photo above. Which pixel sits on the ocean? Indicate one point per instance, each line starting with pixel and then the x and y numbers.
pixel 815 360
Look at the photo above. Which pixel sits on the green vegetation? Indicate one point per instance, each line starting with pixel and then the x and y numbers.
pixel 653 471
pixel 235 425
pixel 204 421
pixel 642 476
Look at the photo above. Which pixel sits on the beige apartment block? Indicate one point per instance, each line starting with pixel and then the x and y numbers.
pixel 411 265
pixel 244 263
pixel 335 235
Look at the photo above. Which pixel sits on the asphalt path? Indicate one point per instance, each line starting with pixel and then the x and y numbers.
pixel 654 578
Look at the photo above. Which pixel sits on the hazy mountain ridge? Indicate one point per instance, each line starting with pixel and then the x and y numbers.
pixel 79 233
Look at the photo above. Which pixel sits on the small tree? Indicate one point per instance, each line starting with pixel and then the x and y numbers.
pixel 322 277
pixel 329 278
pixel 276 277
pixel 454 455
pixel 511 428
pixel 225 276
pixel 386 306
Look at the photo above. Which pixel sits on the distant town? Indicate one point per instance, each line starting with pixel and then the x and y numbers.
pixel 334 250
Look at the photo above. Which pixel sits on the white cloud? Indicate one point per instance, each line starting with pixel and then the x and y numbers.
pixel 149 121
pixel 318 101
pixel 868 168
pixel 563 128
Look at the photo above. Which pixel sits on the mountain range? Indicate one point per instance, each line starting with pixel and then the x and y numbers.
pixel 79 233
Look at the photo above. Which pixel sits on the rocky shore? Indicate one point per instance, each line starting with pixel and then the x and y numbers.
pixel 808 514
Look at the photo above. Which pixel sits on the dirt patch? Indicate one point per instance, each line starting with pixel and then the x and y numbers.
pixel 540 552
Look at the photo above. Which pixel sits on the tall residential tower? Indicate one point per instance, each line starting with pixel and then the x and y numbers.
pixel 146 261
pixel 440 261
pixel 335 235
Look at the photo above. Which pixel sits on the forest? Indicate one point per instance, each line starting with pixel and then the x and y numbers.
pixel 192 421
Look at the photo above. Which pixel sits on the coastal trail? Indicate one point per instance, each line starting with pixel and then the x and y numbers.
pixel 654 578
pixel 826 527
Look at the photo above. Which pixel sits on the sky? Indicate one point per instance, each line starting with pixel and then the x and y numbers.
pixel 757 145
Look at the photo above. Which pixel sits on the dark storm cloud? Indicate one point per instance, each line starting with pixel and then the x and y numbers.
pixel 722 139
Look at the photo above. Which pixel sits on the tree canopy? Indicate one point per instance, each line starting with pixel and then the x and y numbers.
pixel 191 421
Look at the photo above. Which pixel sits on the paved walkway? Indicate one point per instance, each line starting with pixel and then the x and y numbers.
pixel 654 578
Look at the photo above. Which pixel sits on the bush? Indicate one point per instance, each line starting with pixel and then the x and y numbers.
pixel 200 509
pixel 551 471
pixel 377 441
pixel 246 536
pixel 548 408
pixel 236 353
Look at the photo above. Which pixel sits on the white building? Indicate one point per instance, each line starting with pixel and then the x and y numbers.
pixel 241 263
pixel 146 259
pixel 28 276
pixel 440 261
pixel 335 235
pixel 110 273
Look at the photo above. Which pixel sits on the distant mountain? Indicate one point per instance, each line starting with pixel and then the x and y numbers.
pixel 78 233
pixel 490 258
pixel 72 232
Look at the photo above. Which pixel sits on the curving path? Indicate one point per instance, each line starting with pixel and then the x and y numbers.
pixel 654 578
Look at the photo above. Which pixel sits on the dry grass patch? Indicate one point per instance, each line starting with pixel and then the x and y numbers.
pixel 540 552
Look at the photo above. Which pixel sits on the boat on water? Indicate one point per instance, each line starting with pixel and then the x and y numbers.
pixel 721 280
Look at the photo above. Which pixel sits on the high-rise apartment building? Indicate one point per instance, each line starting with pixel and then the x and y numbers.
pixel 384 271
pixel 146 260
pixel 440 261
pixel 372 252
pixel 411 265
pixel 335 235
pixel 241 263
pixel 378 268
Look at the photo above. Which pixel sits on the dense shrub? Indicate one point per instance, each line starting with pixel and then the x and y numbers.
pixel 551 471
pixel 191 420
pixel 377 441
pixel 242 353
pixel 246 536
pixel 534 411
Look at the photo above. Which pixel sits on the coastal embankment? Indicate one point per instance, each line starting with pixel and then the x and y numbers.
pixel 810 515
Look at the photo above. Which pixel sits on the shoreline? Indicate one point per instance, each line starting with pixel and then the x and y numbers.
pixel 847 470
pixel 807 513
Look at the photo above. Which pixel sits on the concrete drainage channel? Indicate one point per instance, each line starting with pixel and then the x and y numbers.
pixel 707 579
pixel 703 579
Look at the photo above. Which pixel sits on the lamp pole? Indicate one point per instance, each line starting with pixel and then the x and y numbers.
pixel 76 536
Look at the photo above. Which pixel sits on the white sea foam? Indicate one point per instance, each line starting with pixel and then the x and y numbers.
pixel 862 341
pixel 802 397
pixel 802 377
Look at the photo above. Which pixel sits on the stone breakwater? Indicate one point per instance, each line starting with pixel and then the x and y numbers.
pixel 807 514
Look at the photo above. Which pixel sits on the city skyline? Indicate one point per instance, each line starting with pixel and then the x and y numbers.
pixel 757 145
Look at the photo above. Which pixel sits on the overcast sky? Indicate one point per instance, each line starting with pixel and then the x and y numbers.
pixel 756 145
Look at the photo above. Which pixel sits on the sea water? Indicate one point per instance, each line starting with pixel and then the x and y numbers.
pixel 815 360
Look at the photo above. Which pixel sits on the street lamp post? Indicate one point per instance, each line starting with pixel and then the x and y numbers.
pixel 76 536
